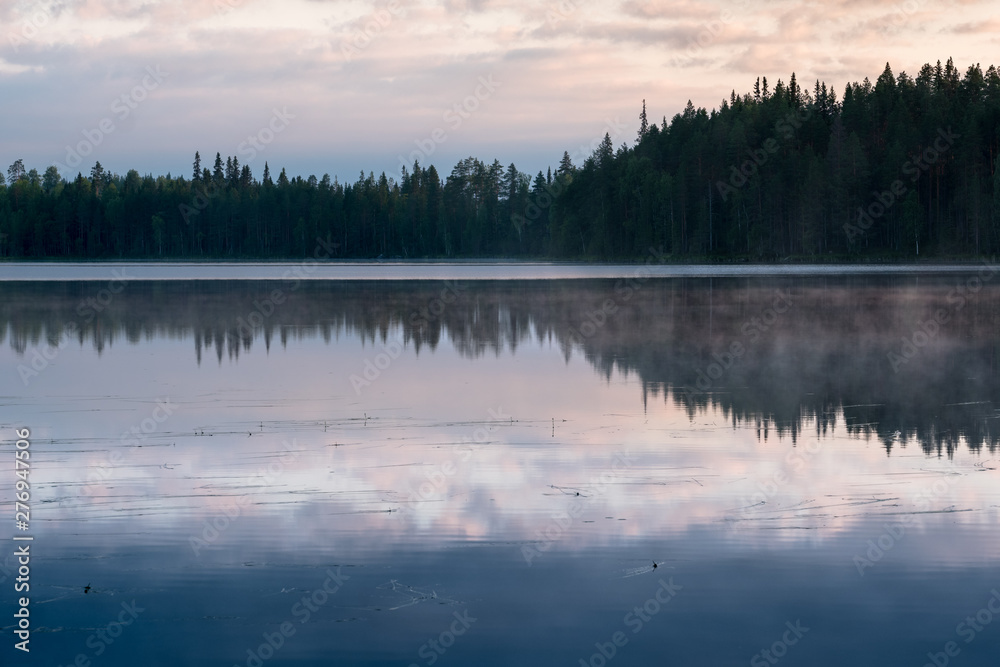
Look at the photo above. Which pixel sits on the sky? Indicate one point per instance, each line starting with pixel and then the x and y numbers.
pixel 340 87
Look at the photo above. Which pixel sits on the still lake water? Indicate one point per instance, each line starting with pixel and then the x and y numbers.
pixel 454 469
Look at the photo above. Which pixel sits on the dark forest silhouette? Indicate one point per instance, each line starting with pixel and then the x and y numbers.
pixel 903 168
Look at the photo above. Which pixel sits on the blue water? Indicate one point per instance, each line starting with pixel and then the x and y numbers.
pixel 485 472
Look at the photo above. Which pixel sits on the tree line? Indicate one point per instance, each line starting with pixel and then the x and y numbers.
pixel 905 168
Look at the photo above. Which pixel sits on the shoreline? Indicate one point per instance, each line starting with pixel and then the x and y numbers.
pixel 479 270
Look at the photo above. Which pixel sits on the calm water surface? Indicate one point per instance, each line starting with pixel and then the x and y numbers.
pixel 484 472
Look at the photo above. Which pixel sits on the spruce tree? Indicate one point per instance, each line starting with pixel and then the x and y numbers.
pixel 218 175
pixel 565 164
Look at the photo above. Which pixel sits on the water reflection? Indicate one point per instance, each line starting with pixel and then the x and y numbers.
pixel 902 358
pixel 484 473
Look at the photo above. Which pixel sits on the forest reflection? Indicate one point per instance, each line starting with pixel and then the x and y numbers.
pixel 902 358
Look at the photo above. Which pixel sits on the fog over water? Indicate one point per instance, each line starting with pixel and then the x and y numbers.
pixel 804 454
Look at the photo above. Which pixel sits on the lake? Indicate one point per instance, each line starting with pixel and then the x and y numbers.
pixel 504 465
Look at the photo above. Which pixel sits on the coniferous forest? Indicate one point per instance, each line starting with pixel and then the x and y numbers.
pixel 905 168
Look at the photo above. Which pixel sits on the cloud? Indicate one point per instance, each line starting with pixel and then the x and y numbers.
pixel 566 67
pixel 14 68
pixel 990 27
pixel 671 10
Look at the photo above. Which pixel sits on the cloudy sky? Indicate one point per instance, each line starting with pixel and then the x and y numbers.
pixel 342 86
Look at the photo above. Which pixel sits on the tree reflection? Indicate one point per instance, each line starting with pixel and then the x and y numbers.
pixel 773 353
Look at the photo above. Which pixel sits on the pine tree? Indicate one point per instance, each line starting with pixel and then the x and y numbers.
pixel 217 174
pixel 196 175
pixel 643 122
pixel 234 180
pixel 97 178
pixel 15 172
pixel 51 179
pixel 565 164
pixel 606 151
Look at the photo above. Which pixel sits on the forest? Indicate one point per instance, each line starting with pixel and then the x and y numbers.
pixel 902 169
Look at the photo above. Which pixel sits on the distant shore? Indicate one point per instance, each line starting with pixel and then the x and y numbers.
pixel 451 270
